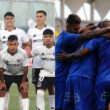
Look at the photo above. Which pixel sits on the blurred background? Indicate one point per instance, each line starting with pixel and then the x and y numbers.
pixel 88 10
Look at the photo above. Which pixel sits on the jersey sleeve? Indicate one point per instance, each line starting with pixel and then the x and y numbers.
pixel 93 44
pixel 72 38
pixel 1 61
pixel 24 37
pixel 29 35
pixel 35 52
pixel 26 60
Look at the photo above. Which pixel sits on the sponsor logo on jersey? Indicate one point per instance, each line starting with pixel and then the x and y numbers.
pixel 18 60
pixel 4 37
pixel 34 35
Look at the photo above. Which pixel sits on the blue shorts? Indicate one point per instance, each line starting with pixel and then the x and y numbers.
pixel 81 94
pixel 59 93
pixel 102 92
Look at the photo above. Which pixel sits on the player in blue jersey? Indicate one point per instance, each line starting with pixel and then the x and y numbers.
pixel 102 86
pixel 68 41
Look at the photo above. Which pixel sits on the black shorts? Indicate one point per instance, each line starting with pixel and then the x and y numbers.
pixel 35 75
pixel 13 79
pixel 45 82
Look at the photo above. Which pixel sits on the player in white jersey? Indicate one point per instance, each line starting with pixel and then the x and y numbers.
pixel 35 35
pixel 47 73
pixel 10 29
pixel 14 69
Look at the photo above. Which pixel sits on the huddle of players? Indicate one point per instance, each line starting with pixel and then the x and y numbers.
pixel 14 61
pixel 82 69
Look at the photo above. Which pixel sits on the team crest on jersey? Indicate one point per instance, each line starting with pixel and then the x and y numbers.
pixel 34 35
pixel 18 60
pixel 42 54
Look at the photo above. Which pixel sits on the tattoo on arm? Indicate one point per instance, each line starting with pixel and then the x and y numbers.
pixel 1 75
pixel 25 74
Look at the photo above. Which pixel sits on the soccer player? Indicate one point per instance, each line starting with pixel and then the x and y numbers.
pixel 68 41
pixel 14 69
pixel 35 35
pixel 9 19
pixel 102 82
pixel 47 73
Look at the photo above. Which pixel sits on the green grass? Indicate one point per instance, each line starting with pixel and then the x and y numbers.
pixel 14 104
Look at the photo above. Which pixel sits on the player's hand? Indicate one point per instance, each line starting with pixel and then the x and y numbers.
pixel 24 87
pixel 2 86
pixel 63 56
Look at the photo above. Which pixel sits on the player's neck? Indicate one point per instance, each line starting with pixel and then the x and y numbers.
pixel 10 28
pixel 40 26
pixel 49 46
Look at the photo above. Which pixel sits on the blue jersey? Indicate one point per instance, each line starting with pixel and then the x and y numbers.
pixel 85 66
pixel 103 50
pixel 67 42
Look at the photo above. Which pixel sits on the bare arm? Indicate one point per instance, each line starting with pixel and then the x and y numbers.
pixel 93 33
pixel 1 75
pixel 78 54
pixel 25 74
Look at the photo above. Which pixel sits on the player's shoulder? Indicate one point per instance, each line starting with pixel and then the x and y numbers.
pixel 50 27
pixel 31 29
pixel 22 51
pixel 3 52
pixel 20 30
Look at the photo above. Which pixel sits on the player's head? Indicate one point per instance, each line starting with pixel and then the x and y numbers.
pixel 41 17
pixel 12 44
pixel 104 24
pixel 73 23
pixel 9 19
pixel 48 37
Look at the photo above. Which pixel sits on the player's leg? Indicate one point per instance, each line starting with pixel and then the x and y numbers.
pixel 69 95
pixel 102 92
pixel 24 95
pixel 2 98
pixel 40 102
pixel 59 94
pixel 83 93
pixel 50 86
pixel 8 81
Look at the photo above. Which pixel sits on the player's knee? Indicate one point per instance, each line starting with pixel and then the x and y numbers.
pixel 40 93
pixel 51 91
pixel 2 93
pixel 24 94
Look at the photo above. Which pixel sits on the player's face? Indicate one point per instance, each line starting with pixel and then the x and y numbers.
pixel 74 28
pixel 13 45
pixel 48 39
pixel 40 18
pixel 9 21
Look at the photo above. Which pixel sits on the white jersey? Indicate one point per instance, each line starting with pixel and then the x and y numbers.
pixel 36 36
pixel 13 64
pixel 4 34
pixel 48 59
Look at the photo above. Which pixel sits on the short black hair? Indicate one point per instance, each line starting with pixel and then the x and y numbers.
pixel 105 23
pixel 48 31
pixel 42 11
pixel 12 38
pixel 8 14
pixel 73 19
pixel 90 24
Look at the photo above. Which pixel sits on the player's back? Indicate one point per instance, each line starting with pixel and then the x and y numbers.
pixel 67 42
pixel 104 60
pixel 85 66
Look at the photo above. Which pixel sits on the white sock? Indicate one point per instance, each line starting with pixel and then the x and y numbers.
pixel 20 102
pixel 52 102
pixel 7 98
pixel 25 103
pixel 40 104
pixel 2 103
